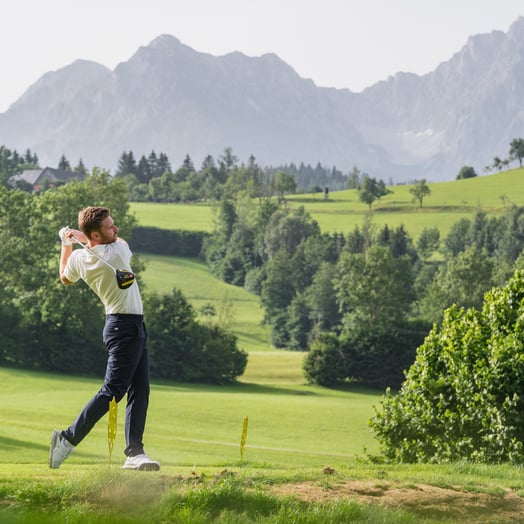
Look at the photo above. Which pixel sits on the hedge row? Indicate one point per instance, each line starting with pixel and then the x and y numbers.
pixel 167 242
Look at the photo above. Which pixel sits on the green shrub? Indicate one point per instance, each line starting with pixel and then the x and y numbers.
pixel 181 349
pixel 372 358
pixel 463 396
pixel 325 363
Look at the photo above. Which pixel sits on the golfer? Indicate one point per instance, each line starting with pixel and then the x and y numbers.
pixel 124 335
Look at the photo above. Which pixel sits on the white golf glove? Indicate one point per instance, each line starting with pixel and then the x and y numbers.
pixel 63 238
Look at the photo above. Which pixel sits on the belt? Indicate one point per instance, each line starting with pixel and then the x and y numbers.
pixel 124 315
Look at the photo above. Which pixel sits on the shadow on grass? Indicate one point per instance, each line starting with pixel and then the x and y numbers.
pixel 257 389
pixel 237 387
pixel 41 450
pixel 415 208
pixel 10 443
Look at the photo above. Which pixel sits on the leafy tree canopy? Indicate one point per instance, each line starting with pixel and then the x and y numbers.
pixel 466 172
pixel 516 149
pixel 420 190
pixel 372 189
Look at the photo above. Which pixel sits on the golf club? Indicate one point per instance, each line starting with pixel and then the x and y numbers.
pixel 124 278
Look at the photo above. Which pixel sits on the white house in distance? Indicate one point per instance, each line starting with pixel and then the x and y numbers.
pixel 49 176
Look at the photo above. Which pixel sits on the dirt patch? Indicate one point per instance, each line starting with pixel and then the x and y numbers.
pixel 421 499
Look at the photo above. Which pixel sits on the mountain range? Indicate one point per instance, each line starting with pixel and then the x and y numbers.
pixel 170 98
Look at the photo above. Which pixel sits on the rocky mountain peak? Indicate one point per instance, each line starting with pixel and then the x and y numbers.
pixel 171 98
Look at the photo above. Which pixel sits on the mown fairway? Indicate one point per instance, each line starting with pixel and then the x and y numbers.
pixel 289 425
pixel 265 365
pixel 448 202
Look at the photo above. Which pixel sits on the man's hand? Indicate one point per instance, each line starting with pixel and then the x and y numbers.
pixel 68 236
pixel 64 236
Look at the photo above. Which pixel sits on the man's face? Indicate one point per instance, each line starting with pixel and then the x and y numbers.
pixel 108 231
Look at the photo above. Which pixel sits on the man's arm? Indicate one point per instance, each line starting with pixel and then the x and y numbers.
pixel 64 257
pixel 65 235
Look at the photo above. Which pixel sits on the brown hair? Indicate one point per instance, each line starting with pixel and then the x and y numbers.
pixel 90 219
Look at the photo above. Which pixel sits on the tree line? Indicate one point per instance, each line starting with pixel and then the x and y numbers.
pixel 152 179
pixel 46 326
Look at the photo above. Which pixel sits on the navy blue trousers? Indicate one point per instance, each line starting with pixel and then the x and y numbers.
pixel 127 372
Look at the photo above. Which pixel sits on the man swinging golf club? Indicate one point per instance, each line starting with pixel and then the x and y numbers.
pixel 124 334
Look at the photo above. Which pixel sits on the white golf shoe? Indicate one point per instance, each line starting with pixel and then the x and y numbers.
pixel 60 449
pixel 141 463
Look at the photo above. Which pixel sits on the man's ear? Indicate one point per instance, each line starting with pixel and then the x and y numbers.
pixel 95 235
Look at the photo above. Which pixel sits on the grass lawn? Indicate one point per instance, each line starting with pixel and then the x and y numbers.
pixel 303 461
pixel 289 425
pixel 446 205
pixel 190 217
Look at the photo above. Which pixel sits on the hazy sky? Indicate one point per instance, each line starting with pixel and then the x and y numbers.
pixel 336 43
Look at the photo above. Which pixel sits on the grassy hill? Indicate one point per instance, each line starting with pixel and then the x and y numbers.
pixel 190 217
pixel 448 202
pixel 200 287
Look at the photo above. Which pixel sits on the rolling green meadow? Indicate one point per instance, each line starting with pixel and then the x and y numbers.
pixel 342 211
pixel 308 454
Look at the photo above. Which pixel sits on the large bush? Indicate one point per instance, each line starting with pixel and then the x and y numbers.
pixel 463 398
pixel 372 358
pixel 182 349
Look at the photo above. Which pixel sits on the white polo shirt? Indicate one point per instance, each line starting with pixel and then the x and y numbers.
pixel 102 279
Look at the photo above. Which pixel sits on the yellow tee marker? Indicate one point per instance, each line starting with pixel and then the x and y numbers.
pixel 111 426
pixel 243 439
